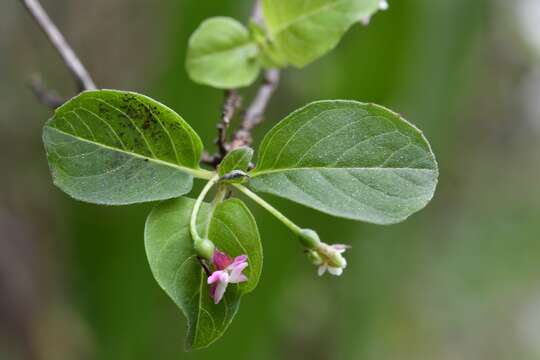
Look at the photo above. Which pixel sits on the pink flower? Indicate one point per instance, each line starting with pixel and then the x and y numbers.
pixel 332 260
pixel 227 272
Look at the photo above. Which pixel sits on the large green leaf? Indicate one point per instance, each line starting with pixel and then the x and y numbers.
pixel 112 147
pixel 222 54
pixel 169 248
pixel 304 30
pixel 348 159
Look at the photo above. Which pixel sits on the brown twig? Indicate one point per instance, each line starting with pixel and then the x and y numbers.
pixel 57 40
pixel 44 95
pixel 257 12
pixel 255 113
pixel 211 160
pixel 231 104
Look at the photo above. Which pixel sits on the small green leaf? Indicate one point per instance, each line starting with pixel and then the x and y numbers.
pixel 222 54
pixel 348 159
pixel 115 148
pixel 173 261
pixel 304 30
pixel 238 159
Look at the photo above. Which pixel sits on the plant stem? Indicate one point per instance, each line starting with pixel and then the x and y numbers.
pixel 255 112
pixel 202 246
pixel 75 66
pixel 220 195
pixel 272 210
pixel 201 173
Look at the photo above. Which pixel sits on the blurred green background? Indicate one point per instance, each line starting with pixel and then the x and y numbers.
pixel 459 280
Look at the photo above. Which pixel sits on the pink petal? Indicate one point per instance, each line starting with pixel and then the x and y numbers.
pixel 240 259
pixel 221 260
pixel 239 279
pixel 218 276
pixel 218 284
pixel 236 272
pixel 219 291
pixel 340 248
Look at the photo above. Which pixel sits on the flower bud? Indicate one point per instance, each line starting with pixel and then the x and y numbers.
pixel 204 248
pixel 309 238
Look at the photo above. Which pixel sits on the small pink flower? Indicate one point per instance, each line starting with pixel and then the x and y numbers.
pixel 227 272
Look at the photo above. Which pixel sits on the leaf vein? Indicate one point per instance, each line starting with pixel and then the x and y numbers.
pixel 132 123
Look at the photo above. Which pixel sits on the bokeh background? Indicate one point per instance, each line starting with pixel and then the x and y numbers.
pixel 459 280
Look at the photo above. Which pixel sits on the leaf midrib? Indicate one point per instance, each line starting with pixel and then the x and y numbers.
pixel 246 45
pixel 198 173
pixel 270 171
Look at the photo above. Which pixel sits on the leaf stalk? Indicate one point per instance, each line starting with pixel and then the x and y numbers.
pixel 272 210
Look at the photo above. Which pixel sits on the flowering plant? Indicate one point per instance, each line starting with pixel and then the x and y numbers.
pixel 345 158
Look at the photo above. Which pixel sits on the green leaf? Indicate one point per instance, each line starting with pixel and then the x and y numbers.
pixel 173 261
pixel 270 58
pixel 238 159
pixel 222 54
pixel 348 159
pixel 304 30
pixel 115 148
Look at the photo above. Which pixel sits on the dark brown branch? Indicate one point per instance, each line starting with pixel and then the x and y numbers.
pixel 231 104
pixel 77 69
pixel 211 160
pixel 255 113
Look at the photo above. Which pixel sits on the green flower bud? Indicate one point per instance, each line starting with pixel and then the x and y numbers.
pixel 204 248
pixel 309 238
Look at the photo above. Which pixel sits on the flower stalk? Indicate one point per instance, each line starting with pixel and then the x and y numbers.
pixel 326 257
pixel 203 246
pixel 272 210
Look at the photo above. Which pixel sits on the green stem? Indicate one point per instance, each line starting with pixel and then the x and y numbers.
pixel 201 173
pixel 220 196
pixel 202 246
pixel 272 210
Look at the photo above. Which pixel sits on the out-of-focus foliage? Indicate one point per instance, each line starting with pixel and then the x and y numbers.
pixel 458 280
